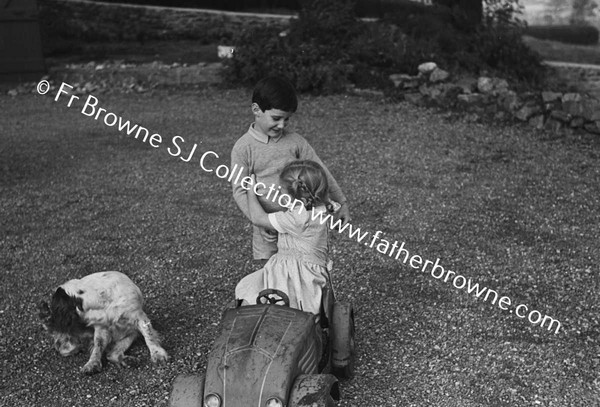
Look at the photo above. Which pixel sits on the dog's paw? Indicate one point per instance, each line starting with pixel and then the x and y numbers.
pixel 92 367
pixel 159 356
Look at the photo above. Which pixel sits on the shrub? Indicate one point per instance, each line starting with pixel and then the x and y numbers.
pixel 311 66
pixel 381 8
pixel 571 34
pixel 327 47
pixel 502 49
pixel 379 51
pixel 332 22
pixel 378 46
pixel 447 38
pixel 313 54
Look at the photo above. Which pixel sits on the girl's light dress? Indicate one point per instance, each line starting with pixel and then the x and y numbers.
pixel 300 266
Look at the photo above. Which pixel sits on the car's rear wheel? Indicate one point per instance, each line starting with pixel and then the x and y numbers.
pixel 188 390
pixel 342 340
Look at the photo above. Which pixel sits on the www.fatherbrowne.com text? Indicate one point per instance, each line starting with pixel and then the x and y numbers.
pixel 399 252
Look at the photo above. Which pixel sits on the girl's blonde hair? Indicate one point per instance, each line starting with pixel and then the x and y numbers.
pixel 305 180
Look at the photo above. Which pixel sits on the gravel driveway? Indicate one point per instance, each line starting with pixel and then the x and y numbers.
pixel 512 209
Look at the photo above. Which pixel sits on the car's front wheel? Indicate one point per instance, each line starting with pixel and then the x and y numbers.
pixel 342 340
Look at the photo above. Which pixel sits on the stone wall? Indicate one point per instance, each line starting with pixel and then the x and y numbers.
pixel 583 78
pixel 76 20
pixel 493 97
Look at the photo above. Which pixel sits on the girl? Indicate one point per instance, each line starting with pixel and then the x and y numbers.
pixel 300 266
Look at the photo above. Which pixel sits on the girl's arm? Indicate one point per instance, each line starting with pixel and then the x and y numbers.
pixel 335 192
pixel 258 216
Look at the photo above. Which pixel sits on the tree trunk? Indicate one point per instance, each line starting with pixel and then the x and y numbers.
pixel 473 10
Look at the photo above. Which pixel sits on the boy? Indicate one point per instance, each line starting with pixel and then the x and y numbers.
pixel 266 148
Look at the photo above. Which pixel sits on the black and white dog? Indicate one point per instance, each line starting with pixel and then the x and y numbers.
pixel 105 309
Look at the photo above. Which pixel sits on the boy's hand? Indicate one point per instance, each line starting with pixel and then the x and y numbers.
pixel 343 213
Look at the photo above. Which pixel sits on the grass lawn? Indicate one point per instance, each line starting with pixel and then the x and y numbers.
pixel 511 209
pixel 558 51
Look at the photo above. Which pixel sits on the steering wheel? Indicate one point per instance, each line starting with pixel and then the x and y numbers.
pixel 272 296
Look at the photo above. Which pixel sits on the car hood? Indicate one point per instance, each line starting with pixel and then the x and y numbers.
pixel 261 350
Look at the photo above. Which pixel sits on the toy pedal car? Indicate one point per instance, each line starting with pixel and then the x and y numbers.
pixel 274 356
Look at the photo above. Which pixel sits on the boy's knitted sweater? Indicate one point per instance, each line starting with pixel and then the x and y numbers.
pixel 265 157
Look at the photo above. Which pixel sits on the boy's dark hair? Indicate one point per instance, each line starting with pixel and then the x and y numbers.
pixel 275 92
